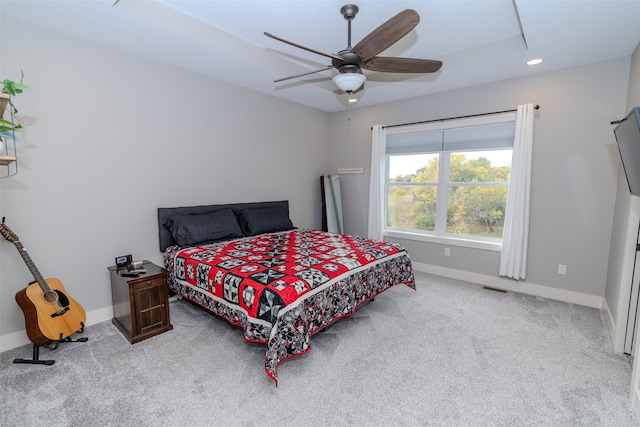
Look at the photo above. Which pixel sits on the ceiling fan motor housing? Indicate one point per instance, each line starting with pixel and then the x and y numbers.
pixel 351 62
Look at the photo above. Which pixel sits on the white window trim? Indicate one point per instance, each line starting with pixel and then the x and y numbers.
pixel 442 238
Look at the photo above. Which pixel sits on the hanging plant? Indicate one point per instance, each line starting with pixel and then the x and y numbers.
pixel 8 128
pixel 10 89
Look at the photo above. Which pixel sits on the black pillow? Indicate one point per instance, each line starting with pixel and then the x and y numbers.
pixel 263 220
pixel 188 230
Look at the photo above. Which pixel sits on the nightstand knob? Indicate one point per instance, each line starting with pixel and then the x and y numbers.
pixel 148 282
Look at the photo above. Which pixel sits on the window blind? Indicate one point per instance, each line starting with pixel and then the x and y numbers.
pixel 493 136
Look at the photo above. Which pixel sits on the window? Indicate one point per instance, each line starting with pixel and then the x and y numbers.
pixel 450 179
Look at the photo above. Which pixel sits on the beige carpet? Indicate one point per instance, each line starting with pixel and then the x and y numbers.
pixel 450 354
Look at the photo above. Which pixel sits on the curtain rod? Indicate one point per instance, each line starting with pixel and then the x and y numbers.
pixel 537 107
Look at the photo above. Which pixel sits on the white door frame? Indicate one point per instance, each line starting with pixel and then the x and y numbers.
pixel 633 299
pixel 618 328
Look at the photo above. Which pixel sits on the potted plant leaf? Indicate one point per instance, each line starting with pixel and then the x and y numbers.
pixel 7 128
pixel 10 88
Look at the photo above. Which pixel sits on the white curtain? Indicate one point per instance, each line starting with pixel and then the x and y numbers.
pixel 376 182
pixel 515 239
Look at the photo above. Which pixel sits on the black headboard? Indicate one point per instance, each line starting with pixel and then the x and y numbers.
pixel 165 237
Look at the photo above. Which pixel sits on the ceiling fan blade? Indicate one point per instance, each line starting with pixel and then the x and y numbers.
pixel 386 34
pixel 328 55
pixel 402 65
pixel 303 74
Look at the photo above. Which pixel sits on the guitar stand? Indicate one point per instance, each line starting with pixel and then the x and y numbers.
pixel 35 359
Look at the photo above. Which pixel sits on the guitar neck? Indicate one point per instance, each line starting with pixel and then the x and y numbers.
pixel 32 267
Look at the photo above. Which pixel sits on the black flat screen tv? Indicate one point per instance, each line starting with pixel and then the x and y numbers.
pixel 628 138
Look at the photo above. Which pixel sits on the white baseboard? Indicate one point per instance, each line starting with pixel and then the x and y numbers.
pixel 617 336
pixel 608 319
pixel 635 397
pixel 18 339
pixel 513 285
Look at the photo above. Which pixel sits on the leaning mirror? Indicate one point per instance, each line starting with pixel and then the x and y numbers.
pixel 331 204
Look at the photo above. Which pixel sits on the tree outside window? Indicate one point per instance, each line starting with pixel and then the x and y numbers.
pixel 449 193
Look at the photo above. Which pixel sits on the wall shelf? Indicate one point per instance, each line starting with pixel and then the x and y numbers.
pixel 8 154
pixel 7 160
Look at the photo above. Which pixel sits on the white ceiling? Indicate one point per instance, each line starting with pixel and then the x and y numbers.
pixel 479 41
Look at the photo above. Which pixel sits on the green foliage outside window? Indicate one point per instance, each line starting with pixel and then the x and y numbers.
pixel 476 197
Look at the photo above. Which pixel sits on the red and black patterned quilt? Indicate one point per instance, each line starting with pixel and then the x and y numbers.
pixel 283 287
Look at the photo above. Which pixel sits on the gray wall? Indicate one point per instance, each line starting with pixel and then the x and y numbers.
pixel 114 137
pixel 575 169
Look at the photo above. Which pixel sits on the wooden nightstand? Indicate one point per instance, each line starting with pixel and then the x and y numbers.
pixel 140 304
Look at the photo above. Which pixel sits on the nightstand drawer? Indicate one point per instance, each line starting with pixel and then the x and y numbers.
pixel 148 283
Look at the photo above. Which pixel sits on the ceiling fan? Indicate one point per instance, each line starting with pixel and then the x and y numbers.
pixel 350 61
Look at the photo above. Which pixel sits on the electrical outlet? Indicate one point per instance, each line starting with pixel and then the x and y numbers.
pixel 562 269
pixel 447 251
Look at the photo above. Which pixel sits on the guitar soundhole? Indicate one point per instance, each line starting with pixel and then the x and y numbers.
pixel 50 296
pixel 53 296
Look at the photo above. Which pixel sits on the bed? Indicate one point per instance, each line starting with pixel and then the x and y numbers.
pixel 249 265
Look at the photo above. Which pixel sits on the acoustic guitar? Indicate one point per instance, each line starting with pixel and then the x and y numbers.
pixel 49 313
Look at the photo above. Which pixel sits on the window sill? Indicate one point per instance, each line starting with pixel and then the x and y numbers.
pixel 467 243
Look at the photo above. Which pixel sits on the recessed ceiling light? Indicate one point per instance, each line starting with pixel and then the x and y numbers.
pixel 535 61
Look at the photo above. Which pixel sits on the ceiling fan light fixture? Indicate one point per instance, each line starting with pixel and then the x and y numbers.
pixel 535 61
pixel 349 82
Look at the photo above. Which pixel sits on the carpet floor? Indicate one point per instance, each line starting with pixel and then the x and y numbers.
pixel 448 354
